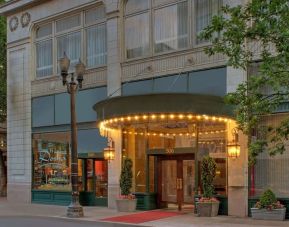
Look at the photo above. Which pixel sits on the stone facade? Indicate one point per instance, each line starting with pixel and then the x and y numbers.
pixel 23 86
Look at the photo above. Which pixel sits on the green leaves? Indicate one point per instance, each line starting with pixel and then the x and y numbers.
pixel 256 32
pixel 267 198
pixel 126 176
pixel 3 63
pixel 208 173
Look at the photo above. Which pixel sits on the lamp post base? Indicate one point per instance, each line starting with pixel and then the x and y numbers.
pixel 74 210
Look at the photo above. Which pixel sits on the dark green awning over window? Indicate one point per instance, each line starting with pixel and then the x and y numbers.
pixel 162 103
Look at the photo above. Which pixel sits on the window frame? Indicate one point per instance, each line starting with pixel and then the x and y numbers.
pixel 162 6
pixel 136 13
pixel 191 28
pixel 194 25
pixel 54 35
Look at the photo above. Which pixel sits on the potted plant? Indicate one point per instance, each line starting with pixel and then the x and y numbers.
pixel 126 201
pixel 208 205
pixel 268 208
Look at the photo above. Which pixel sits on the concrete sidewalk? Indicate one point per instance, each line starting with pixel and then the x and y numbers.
pixel 94 214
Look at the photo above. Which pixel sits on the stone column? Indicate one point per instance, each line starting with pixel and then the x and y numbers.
pixel 114 168
pixel 237 168
pixel 19 154
pixel 113 89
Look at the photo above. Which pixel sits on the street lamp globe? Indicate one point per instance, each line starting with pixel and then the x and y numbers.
pixel 79 70
pixel 64 63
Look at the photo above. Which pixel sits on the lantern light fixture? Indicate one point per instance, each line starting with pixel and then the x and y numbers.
pixel 109 151
pixel 233 146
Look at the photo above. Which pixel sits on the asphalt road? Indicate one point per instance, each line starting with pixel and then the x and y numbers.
pixel 55 222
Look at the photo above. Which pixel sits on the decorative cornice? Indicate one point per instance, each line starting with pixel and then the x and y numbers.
pixel 53 85
pixel 176 62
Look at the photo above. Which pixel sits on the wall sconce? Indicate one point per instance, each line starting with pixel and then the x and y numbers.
pixel 109 151
pixel 234 146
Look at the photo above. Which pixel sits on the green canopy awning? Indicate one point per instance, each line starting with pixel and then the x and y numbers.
pixel 162 103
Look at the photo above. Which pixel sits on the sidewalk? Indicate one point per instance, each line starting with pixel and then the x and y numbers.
pixel 96 213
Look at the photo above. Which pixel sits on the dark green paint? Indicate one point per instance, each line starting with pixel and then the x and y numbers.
pixel 146 201
pixel 51 197
pixel 89 199
pixel 162 103
pixel 64 198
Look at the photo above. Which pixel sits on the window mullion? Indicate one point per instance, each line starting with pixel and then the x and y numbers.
pixel 54 49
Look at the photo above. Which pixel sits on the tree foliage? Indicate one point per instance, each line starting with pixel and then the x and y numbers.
pixel 256 32
pixel 208 173
pixel 126 177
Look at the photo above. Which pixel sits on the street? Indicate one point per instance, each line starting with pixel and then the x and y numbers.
pixel 48 222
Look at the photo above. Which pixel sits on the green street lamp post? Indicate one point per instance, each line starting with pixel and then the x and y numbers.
pixel 74 209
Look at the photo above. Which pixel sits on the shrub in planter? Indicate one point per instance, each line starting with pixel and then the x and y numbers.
pixel 208 205
pixel 268 208
pixel 126 201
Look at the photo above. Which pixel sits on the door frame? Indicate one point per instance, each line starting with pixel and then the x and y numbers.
pixel 180 190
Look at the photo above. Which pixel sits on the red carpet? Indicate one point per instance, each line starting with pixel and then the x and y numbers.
pixel 143 217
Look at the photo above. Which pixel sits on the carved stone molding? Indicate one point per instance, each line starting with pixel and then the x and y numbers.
pixel 54 85
pixel 25 19
pixel 169 64
pixel 13 23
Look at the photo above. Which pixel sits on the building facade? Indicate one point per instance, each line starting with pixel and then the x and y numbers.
pixel 149 87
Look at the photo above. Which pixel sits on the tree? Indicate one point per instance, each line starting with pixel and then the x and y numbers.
pixel 233 32
pixel 3 104
pixel 126 177
pixel 208 174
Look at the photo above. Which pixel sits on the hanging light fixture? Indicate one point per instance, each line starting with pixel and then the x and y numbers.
pixel 109 151
pixel 234 146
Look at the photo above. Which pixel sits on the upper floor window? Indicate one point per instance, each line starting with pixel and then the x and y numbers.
pixel 137 34
pixel 171 27
pixel 205 10
pixel 82 35
pixel 159 26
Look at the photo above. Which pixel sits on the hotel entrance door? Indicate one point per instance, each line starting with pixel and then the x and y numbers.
pixel 176 181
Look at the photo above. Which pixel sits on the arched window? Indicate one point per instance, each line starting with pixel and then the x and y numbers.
pixel 137 28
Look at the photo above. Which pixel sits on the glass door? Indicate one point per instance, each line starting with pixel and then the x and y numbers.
pixel 169 177
pixel 188 181
pixel 177 182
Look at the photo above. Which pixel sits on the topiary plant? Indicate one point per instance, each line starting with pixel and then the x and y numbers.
pixel 125 180
pixel 208 173
pixel 267 198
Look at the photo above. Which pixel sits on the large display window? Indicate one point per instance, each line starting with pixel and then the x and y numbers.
pixel 51 157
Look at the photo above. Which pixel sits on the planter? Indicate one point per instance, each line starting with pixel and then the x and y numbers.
pixel 264 214
pixel 126 205
pixel 207 209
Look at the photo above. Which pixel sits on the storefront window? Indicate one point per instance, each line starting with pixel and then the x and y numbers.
pixel 51 153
